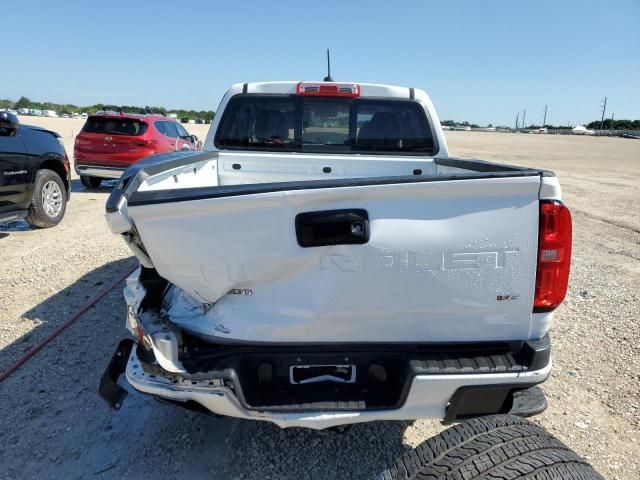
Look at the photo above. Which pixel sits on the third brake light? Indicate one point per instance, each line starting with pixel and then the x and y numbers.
pixel 328 89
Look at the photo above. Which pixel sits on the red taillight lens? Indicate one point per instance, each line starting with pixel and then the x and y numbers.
pixel 144 339
pixel 140 334
pixel 554 256
pixel 146 144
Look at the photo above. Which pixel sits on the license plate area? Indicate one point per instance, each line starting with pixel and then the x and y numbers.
pixel 306 374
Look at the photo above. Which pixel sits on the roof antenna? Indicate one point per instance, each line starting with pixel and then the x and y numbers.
pixel 328 77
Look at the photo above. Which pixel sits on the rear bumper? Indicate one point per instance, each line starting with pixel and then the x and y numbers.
pixel 98 171
pixel 445 390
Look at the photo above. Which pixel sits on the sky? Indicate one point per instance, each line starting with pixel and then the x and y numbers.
pixel 480 61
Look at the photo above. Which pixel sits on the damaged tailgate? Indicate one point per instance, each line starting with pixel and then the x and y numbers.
pixel 393 259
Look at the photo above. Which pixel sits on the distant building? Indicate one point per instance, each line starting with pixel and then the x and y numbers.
pixel 582 130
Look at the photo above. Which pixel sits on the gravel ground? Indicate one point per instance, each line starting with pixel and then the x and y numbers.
pixel 55 426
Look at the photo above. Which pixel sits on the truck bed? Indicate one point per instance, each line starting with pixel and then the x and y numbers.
pixel 185 176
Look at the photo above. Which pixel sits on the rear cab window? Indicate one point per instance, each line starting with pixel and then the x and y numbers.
pixel 324 124
pixel 115 126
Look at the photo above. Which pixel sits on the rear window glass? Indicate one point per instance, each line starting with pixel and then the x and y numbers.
pixel 332 125
pixel 168 129
pixel 181 130
pixel 171 129
pixel 259 122
pixel 115 126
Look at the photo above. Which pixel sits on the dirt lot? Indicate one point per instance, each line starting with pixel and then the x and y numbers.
pixel 55 426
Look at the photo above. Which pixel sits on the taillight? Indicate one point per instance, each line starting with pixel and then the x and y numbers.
pixel 140 333
pixel 328 89
pixel 144 340
pixel 146 144
pixel 554 256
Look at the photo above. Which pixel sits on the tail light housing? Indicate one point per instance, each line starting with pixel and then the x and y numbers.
pixel 328 89
pixel 136 329
pixel 554 256
pixel 144 339
pixel 152 144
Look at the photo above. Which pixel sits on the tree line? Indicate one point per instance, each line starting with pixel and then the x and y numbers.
pixel 615 125
pixel 595 125
pixel 208 115
pixel 452 123
pixel 68 108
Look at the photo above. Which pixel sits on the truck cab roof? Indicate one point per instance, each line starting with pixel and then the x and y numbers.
pixel 291 87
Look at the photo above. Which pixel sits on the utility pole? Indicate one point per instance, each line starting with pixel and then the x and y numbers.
pixel 604 108
pixel 544 121
pixel 524 115
pixel 517 117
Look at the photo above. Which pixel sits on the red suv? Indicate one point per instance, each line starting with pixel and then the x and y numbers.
pixel 109 142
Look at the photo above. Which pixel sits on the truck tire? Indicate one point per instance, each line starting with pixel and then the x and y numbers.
pixel 500 447
pixel 90 182
pixel 49 200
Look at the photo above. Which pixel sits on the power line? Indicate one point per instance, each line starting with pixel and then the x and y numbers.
pixel 604 108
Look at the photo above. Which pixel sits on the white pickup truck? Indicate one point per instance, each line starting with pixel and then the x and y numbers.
pixel 325 262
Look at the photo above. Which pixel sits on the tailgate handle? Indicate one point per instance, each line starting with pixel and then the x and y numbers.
pixel 332 227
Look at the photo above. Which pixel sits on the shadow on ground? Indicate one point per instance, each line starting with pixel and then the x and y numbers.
pixel 56 426
pixel 56 309
pixel 14 226
pixel 105 186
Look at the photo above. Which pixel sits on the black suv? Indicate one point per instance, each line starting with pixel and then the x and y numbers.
pixel 34 174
